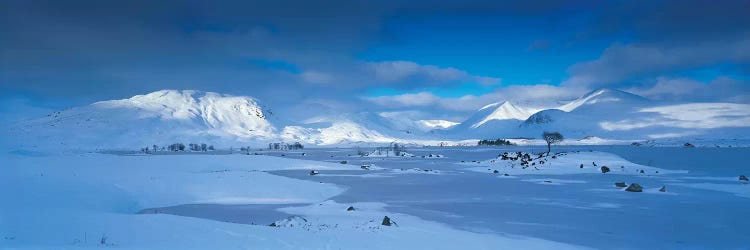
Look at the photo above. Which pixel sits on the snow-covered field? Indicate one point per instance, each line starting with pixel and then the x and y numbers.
pixel 456 200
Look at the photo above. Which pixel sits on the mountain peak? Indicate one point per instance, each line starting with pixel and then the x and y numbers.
pixel 602 95
pixel 503 111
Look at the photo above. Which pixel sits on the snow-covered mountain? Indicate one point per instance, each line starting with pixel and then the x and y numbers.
pixel 489 121
pixel 169 116
pixel 497 112
pixel 160 117
pixel 608 113
pixel 189 116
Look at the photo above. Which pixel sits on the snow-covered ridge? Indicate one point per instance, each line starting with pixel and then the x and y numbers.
pixel 240 116
pixel 600 96
pixel 438 124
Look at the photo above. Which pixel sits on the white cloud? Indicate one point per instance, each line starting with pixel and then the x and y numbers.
pixel 533 96
pixel 677 89
pixel 688 116
pixel 406 100
pixel 394 71
pixel 622 62
pixel 316 77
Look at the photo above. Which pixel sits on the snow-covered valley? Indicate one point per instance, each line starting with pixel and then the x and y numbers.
pixel 446 202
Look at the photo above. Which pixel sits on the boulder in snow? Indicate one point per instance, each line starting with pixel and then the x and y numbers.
pixel 604 169
pixel 634 187
pixel 314 172
pixel 387 221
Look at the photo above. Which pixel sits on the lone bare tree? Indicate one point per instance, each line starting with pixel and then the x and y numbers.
pixel 551 138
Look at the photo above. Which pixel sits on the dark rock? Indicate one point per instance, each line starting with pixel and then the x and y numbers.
pixel 365 167
pixel 593 163
pixel 506 174
pixel 634 187
pixel 495 171
pixel 663 189
pixel 743 178
pixel 642 171
pixel 386 221
pixel 350 209
pixel 635 144
pixel 313 172
pixel 621 184
pixel 343 162
pixel 688 145
pixel 581 166
pixel 604 169
pixel 548 181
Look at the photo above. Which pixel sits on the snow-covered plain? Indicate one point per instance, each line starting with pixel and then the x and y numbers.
pixel 94 200
pixel 98 200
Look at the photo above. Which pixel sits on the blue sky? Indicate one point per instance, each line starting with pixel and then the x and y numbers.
pixel 438 57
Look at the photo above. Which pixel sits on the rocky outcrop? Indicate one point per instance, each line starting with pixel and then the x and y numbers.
pixel 634 187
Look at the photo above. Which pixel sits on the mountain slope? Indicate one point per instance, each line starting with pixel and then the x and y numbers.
pixel 604 97
pixel 160 117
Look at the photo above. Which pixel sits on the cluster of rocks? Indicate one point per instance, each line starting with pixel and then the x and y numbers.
pixel 291 221
pixel 433 156
pixel 497 172
pixel 743 178
pixel 419 170
pixel 635 187
pixel 526 159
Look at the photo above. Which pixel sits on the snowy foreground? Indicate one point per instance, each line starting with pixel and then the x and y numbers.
pixel 465 198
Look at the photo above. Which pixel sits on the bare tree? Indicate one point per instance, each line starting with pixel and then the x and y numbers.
pixel 551 138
